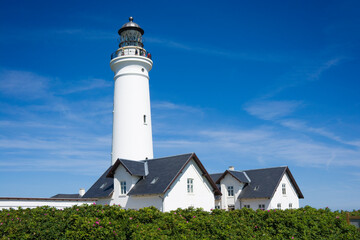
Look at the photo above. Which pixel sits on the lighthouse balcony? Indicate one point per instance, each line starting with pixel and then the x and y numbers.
pixel 130 50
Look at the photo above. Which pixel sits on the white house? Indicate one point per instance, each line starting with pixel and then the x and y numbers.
pixel 166 183
pixel 268 188
pixel 136 179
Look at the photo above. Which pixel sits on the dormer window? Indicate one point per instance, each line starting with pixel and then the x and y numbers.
pixel 154 180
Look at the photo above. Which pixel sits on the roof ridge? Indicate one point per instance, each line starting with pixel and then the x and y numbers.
pixel 171 156
pixel 264 168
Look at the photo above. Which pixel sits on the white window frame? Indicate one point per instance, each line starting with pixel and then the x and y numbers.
pixel 246 205
pixel 279 206
pixel 123 187
pixel 284 188
pixel 290 206
pixel 190 185
pixel 230 191
pixel 262 206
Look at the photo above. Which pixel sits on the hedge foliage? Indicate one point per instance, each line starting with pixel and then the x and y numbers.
pixel 113 222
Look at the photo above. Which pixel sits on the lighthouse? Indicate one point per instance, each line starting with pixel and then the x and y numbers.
pixel 131 63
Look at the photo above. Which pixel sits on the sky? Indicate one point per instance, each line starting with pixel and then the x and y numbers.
pixel 249 84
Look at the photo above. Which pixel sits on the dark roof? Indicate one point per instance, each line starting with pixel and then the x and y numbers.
pixel 103 187
pixel 264 182
pixel 164 170
pixel 60 195
pixel 216 176
pixel 136 168
pixel 131 26
pixel 240 176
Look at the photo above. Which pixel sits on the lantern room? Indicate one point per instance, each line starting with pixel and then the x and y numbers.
pixel 131 34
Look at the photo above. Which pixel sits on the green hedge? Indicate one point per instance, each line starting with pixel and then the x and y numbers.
pixel 113 222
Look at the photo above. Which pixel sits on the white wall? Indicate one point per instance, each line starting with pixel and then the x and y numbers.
pixel 178 197
pixel 122 175
pixel 226 200
pixel 129 202
pixel 136 202
pixel 6 203
pixel 290 197
pixel 254 203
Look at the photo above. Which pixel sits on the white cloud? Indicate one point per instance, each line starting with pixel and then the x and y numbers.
pixel 216 51
pixel 23 84
pixel 314 75
pixel 168 106
pixel 263 145
pixel 303 127
pixel 271 110
pixel 87 85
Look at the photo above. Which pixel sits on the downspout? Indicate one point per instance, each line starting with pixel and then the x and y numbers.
pixel 162 203
pixel 146 168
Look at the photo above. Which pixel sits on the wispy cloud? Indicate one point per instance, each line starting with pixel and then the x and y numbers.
pixel 279 112
pixel 163 105
pixel 59 33
pixel 216 51
pixel 89 34
pixel 314 75
pixel 22 84
pixel 87 85
pixel 271 110
pixel 303 127
pixel 265 145
pixel 303 73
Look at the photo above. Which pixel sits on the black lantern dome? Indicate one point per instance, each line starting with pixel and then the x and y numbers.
pixel 131 34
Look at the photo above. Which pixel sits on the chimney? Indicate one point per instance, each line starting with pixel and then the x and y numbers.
pixel 146 167
pixel 82 192
pixel 231 168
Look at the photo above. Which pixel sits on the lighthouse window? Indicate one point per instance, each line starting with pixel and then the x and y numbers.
pixel 144 119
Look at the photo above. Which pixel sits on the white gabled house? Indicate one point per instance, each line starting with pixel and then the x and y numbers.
pixel 166 183
pixel 268 188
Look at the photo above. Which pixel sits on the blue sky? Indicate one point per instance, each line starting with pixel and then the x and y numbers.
pixel 252 84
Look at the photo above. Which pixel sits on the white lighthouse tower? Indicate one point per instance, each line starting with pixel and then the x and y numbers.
pixel 131 63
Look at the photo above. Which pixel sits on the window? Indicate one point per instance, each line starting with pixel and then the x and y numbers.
pixel 231 207
pixel 290 205
pixel 145 120
pixel 123 187
pixel 262 206
pixel 217 207
pixel 247 206
pixel 284 189
pixel 230 191
pixel 279 206
pixel 190 185
pixel 154 180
